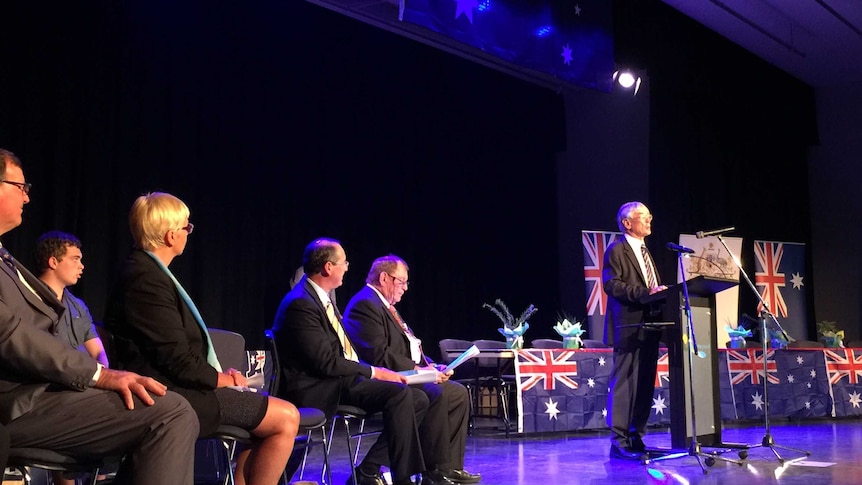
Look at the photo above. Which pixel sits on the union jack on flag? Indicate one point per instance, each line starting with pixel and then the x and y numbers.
pixel 595 245
pixel 537 366
pixel 841 363
pixel 662 370
pixel 745 364
pixel 768 276
pixel 256 361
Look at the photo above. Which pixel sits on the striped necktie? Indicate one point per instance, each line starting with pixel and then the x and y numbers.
pixel 349 353
pixel 650 273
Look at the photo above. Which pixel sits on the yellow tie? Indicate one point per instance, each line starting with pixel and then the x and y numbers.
pixel 349 353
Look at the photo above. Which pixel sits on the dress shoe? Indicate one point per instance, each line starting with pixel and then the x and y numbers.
pixel 461 476
pixel 637 444
pixel 625 453
pixel 435 478
pixel 366 479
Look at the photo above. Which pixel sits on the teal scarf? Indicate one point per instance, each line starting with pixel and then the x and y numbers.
pixel 211 355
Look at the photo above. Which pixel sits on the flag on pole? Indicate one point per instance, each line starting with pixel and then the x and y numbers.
pixel 780 280
pixel 595 245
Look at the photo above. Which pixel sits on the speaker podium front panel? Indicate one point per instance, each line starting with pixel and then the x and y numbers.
pixel 703 371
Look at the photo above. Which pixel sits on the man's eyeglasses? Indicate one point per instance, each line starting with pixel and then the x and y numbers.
pixel 24 186
pixel 188 229
pixel 346 263
pixel 401 282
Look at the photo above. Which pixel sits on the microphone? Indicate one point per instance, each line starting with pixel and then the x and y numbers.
pixel 679 249
pixel 715 232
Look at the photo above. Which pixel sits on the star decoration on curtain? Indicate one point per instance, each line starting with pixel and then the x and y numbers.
pixel 567 54
pixel 465 7
pixel 577 9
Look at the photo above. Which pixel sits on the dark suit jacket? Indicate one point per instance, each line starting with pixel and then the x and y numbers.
pixel 156 335
pixel 314 370
pixel 31 358
pixel 372 329
pixel 625 285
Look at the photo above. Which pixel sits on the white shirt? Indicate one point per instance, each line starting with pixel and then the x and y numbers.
pixel 636 244
pixel 415 343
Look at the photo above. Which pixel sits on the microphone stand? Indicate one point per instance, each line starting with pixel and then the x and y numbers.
pixel 690 342
pixel 767 441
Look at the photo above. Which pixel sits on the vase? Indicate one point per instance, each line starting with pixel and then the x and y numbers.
pixel 571 343
pixel 737 343
pixel 832 342
pixel 515 343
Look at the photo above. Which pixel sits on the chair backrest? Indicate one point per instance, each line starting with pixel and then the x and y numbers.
pixel 487 362
pixel 230 349
pixel 805 344
pixel 275 378
pixel 451 348
pixel 594 344
pixel 546 343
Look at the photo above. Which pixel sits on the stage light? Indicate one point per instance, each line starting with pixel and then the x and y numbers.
pixel 628 79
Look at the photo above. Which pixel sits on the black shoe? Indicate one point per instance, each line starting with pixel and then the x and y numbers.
pixel 435 478
pixel 366 479
pixel 625 453
pixel 462 476
pixel 637 444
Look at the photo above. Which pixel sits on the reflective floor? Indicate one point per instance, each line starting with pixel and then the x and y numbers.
pixel 835 448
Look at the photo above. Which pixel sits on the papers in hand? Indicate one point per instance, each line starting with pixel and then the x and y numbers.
pixel 464 357
pixel 420 376
pixel 242 388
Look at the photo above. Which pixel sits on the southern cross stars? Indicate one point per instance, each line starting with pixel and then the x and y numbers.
pixel 567 54
pixel 465 7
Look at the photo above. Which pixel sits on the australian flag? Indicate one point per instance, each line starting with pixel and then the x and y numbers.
pixel 571 40
pixel 780 279
pixel 844 368
pixel 595 245
pixel 660 414
pixel 561 390
pixel 795 380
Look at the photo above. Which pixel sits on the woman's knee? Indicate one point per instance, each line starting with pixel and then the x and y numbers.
pixel 284 413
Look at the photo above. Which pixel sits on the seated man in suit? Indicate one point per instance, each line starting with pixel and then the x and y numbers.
pixel 321 370
pixel 57 398
pixel 383 338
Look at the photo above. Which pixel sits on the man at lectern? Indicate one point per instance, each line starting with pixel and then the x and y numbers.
pixel 628 275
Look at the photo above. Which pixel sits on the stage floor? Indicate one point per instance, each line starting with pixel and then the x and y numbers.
pixel 582 457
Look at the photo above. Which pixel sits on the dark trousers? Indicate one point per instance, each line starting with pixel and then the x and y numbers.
pixel 402 407
pixel 158 440
pixel 444 429
pixel 632 385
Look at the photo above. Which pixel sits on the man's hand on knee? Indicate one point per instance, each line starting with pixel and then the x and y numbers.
pixel 127 384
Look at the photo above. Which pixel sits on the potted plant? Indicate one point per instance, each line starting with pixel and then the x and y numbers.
pixel 830 334
pixel 513 328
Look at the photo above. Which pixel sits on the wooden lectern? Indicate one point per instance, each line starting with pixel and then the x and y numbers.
pixel 703 374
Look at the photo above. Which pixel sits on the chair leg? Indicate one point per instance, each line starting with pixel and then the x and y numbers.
pixel 326 466
pixel 327 444
pixel 350 451
pixel 304 458
pixel 358 441
pixel 95 477
pixel 504 406
pixel 229 448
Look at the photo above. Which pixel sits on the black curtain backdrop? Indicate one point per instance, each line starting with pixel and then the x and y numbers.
pixel 279 121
